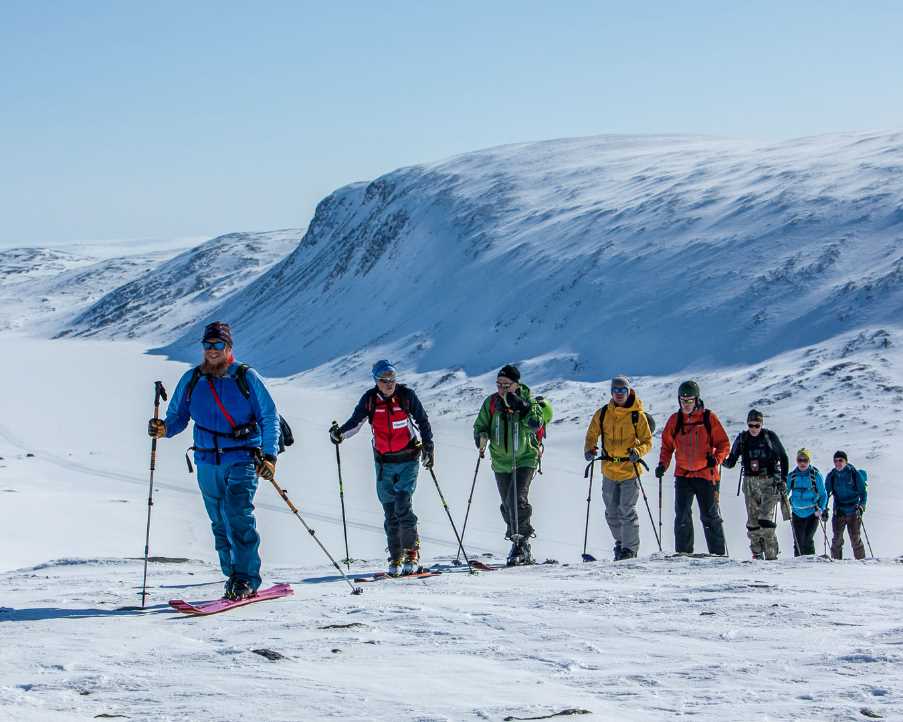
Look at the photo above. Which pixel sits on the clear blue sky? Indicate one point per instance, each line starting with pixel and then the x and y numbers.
pixel 164 119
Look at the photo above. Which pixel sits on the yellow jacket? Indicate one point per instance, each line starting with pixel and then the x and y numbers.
pixel 620 436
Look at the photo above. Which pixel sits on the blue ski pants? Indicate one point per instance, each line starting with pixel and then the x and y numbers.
pixel 395 485
pixel 228 491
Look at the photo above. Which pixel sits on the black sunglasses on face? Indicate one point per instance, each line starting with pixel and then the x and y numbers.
pixel 213 345
pixel 755 426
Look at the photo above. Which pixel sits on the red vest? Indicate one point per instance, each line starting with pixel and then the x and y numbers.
pixel 391 428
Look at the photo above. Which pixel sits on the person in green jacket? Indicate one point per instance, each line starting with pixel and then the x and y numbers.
pixel 511 422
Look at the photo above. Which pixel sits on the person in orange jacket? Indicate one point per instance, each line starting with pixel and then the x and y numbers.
pixel 699 443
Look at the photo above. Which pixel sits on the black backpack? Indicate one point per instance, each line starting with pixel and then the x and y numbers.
pixel 634 417
pixel 286 438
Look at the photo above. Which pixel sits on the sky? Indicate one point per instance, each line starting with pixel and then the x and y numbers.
pixel 168 120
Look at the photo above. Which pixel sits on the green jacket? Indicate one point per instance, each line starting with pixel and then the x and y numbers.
pixel 499 425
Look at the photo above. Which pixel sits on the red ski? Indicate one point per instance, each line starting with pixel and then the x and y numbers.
pixel 221 605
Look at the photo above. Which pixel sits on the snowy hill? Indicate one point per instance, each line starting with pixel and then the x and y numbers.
pixel 596 255
pixel 162 301
pixel 42 287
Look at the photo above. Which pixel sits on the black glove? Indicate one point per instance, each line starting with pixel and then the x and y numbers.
pixel 156 428
pixel 266 467
pixel 633 455
pixel 517 404
pixel 335 436
pixel 428 454
pixel 659 471
pixel 710 461
pixel 590 454
pixel 729 463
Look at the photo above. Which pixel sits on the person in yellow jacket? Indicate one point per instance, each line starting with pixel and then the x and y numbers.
pixel 625 439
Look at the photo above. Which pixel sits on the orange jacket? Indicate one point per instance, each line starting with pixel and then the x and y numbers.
pixel 693 444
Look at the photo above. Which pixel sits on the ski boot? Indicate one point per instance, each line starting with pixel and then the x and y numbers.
pixel 627 554
pixel 395 566
pixel 758 555
pixel 526 554
pixel 227 589
pixel 241 589
pixel 411 562
pixel 617 551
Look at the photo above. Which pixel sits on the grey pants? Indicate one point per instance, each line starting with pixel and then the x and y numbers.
pixel 620 499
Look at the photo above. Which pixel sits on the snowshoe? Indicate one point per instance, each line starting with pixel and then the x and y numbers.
pixel 241 589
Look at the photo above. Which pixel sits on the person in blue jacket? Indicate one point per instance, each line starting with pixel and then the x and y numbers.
pixel 808 500
pixel 236 439
pixel 850 490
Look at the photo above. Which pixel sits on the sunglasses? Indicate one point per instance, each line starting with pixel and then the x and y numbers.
pixel 755 426
pixel 504 386
pixel 802 460
pixel 619 389
pixel 213 345
pixel 838 459
pixel 687 399
pixel 386 380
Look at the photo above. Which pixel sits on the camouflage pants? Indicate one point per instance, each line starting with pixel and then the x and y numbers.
pixel 762 497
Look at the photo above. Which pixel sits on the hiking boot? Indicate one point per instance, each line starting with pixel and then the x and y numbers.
pixel 241 589
pixel 411 561
pixel 395 565
pixel 628 554
pixel 227 588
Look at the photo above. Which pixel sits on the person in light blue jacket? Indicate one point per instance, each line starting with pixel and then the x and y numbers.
pixel 809 501
pixel 236 439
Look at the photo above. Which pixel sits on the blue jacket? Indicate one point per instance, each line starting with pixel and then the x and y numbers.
pixel 202 408
pixel 850 490
pixel 807 491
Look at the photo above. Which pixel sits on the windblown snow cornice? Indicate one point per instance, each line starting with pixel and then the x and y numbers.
pixel 644 254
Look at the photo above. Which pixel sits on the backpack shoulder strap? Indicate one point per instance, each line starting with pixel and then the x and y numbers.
pixel 192 382
pixel 707 421
pixel 241 378
pixel 602 411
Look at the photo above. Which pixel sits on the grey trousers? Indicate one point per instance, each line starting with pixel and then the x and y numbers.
pixel 620 499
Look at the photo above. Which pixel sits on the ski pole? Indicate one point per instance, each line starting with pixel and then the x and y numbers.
pixel 588 472
pixel 448 512
pixel 636 471
pixel 796 540
pixel 515 537
pixel 865 531
pixel 661 534
pixel 740 480
pixel 824 531
pixel 282 492
pixel 338 460
pixel 467 513
pixel 159 393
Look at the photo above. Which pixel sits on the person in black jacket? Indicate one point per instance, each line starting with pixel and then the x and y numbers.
pixel 395 415
pixel 765 468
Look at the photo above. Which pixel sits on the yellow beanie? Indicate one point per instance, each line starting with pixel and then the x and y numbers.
pixel 804 452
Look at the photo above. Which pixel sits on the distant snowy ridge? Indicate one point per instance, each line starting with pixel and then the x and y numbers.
pixel 647 254
pixel 181 291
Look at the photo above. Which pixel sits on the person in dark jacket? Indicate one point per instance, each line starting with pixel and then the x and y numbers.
pixel 395 415
pixel 850 490
pixel 806 489
pixel 236 439
pixel 765 468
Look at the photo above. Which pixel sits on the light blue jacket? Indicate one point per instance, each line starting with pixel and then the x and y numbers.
pixel 807 491
pixel 212 430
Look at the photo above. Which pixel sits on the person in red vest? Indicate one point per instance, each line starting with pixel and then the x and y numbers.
pixel 395 415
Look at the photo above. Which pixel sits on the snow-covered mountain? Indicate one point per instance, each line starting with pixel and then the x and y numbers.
pixel 43 287
pixel 599 254
pixel 164 300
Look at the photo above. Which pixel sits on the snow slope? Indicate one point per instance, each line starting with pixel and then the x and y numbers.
pixel 161 302
pixel 603 254
pixel 651 639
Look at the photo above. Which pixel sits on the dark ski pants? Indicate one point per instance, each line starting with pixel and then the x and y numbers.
pixel 853 524
pixel 395 485
pixel 524 510
pixel 804 528
pixel 228 491
pixel 686 488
